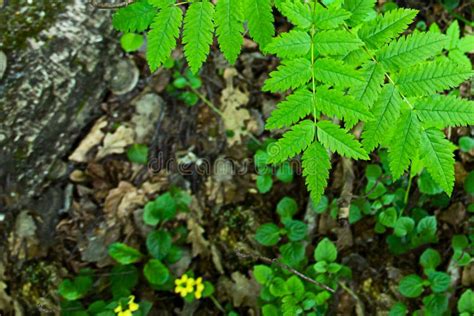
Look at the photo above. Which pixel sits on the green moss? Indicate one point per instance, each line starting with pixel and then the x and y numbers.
pixel 22 20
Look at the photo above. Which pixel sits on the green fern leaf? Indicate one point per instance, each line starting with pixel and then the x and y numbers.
pixel 289 75
pixel 466 44
pixel 436 152
pixel 336 42
pixel 295 107
pixel 411 50
pixel 338 140
pixel 385 27
pixel 292 44
pixel 361 10
pixel 334 103
pixel 386 111
pixel 198 33
pixel 330 17
pixel 163 35
pixel 454 33
pixel 299 14
pixel 292 142
pixel 430 77
pixel 445 110
pixel 260 20
pixel 368 90
pixel 135 17
pixel 228 19
pixel 316 166
pixel 160 4
pixel 404 144
pixel 335 72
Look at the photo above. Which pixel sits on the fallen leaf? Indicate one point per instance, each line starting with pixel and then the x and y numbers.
pixel 200 246
pixel 115 143
pixel 92 139
pixel 122 201
pixel 232 99
pixel 243 291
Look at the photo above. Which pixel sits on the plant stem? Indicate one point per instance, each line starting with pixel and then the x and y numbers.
pixel 207 102
pixel 407 192
pixel 216 302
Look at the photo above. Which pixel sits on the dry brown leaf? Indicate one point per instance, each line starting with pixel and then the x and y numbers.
pixel 232 99
pixel 244 291
pixel 23 241
pixel 92 139
pixel 115 143
pixel 122 201
pixel 200 245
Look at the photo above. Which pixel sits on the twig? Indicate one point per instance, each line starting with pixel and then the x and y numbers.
pixel 285 267
pixel 359 304
pixel 110 6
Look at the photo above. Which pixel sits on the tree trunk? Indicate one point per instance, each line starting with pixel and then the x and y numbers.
pixel 51 89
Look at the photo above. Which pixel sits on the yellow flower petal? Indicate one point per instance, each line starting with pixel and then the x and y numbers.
pixel 132 298
pixel 118 309
pixel 133 307
pixel 127 313
pixel 198 281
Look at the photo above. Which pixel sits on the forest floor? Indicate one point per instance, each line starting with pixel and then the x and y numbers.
pixel 200 149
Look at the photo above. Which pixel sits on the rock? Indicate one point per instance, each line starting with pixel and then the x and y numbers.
pixel 3 64
pixel 123 77
pixel 148 109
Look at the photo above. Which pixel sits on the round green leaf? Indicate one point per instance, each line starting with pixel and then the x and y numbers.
pixel 430 259
pixel 285 173
pixel 270 310
pixel 297 230
pixel 373 171
pixel 158 244
pixel 469 183
pixel 138 153
pixel 403 226
pixel 124 254
pixel 427 226
pixel 262 274
pixel 156 272
pixel 399 309
pixel 264 183
pixel 123 278
pixel 325 251
pixel 466 143
pixel 131 42
pixel 268 234
pixel 388 217
pixel 278 287
pixel 292 253
pixel 74 289
pixel 322 206
pixel 440 281
pixel 411 286
pixel 287 207
pixel 295 286
pixel 466 302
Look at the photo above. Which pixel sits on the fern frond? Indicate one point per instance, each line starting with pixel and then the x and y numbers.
pixel 431 77
pixel 361 10
pixel 334 103
pixel 330 17
pixel 163 35
pixel 295 107
pixel 411 49
pixel 436 152
pixel 292 44
pixel 466 44
pixel 292 142
pixel 229 28
pixel 385 27
pixel 338 140
pixel 454 33
pixel 260 20
pixel 459 58
pixel 298 13
pixel 160 4
pixel 404 144
pixel 289 75
pixel 135 17
pixel 334 42
pixel 198 33
pixel 386 112
pixel 368 90
pixel 445 110
pixel 316 166
pixel 335 72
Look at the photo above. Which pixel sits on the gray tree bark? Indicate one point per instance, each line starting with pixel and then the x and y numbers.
pixel 51 89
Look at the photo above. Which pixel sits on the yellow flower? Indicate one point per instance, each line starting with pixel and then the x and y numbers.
pixel 132 307
pixel 184 286
pixel 199 288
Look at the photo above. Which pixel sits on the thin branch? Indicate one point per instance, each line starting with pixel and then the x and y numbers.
pixel 285 267
pixel 110 6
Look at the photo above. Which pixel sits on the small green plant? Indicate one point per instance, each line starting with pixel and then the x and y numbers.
pixel 466 303
pixel 164 247
pixel 184 87
pixel 284 293
pixel 438 283
pixel 266 172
